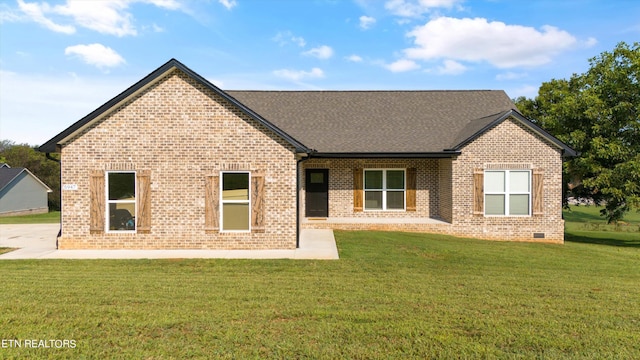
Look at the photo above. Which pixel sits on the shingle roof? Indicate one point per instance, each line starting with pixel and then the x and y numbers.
pixel 348 123
pixel 375 121
pixel 8 174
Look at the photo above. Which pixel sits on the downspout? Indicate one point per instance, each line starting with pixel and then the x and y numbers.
pixel 49 157
pixel 302 158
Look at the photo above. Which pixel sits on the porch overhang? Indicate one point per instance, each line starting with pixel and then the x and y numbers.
pixel 395 155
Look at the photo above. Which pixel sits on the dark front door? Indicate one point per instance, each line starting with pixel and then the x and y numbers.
pixel 317 185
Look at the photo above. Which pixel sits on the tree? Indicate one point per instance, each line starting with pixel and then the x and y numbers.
pixel 26 156
pixel 598 114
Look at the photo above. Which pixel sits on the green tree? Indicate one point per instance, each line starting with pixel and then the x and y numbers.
pixel 26 156
pixel 598 114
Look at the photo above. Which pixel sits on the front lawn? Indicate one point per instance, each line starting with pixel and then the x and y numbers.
pixel 391 295
pixel 47 218
pixel 584 224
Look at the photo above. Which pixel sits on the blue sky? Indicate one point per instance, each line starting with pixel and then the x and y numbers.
pixel 59 60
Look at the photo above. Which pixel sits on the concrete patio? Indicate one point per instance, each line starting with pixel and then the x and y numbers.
pixel 38 241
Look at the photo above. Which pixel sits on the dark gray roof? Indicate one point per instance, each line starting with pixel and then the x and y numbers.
pixel 352 123
pixel 375 121
pixel 7 175
pixel 52 144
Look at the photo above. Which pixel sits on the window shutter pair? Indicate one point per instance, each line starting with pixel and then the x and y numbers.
pixel 537 192
pixel 212 203
pixel 358 189
pixel 97 199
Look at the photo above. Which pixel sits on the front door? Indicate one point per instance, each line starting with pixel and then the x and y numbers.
pixel 317 185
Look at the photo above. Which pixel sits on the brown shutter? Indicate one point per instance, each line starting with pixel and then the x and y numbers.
pixel 478 192
pixel 357 190
pixel 411 189
pixel 257 203
pixel 211 204
pixel 538 192
pixel 143 198
pixel 97 198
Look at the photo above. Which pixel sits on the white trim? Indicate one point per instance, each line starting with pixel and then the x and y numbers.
pixel 222 202
pixel 107 201
pixel 110 110
pixel 507 193
pixel 384 189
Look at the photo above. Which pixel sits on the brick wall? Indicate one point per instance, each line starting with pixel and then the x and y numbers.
pixel 509 145
pixel 445 189
pixel 341 185
pixel 181 132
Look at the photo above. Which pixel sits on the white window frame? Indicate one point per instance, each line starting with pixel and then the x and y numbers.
pixel 222 201
pixel 507 193
pixel 109 202
pixel 384 189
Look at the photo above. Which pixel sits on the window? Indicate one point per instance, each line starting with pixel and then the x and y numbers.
pixel 121 201
pixel 235 213
pixel 507 192
pixel 384 189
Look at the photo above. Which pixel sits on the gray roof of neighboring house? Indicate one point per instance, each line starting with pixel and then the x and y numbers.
pixel 351 123
pixel 8 174
pixel 375 121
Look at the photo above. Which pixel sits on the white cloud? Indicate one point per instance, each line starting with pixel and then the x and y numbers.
pixel 591 42
pixel 285 37
pixel 366 22
pixel 106 17
pixel 36 13
pixel 402 65
pixel 354 58
pixel 96 54
pixel 157 28
pixel 451 67
pixel 229 4
pixel 416 8
pixel 321 52
pixel 502 45
pixel 297 75
pixel 167 4
pixel 509 75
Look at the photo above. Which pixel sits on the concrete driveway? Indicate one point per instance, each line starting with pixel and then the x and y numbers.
pixel 39 242
pixel 33 240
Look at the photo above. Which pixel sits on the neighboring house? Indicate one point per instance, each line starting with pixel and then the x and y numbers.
pixel 21 192
pixel 175 162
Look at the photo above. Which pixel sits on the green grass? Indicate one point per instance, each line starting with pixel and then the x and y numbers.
pixel 584 224
pixel 48 218
pixel 391 295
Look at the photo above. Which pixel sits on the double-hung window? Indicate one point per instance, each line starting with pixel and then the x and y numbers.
pixel 507 192
pixel 121 201
pixel 235 200
pixel 384 189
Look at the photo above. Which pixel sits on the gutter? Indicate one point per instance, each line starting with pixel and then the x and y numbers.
pixel 360 155
pixel 303 157
pixel 49 157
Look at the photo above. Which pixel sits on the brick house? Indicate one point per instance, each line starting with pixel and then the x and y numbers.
pixel 175 162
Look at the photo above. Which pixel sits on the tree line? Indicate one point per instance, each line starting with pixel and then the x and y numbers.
pixel 598 114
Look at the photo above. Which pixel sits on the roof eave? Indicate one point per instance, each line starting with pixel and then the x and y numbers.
pixel 48 189
pixel 566 150
pixel 55 143
pixel 355 155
